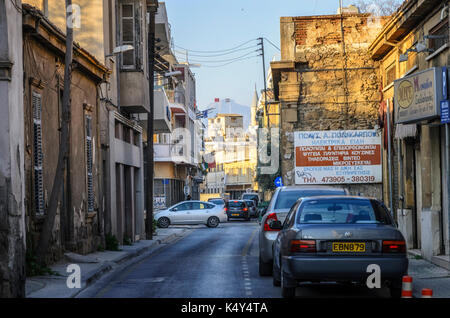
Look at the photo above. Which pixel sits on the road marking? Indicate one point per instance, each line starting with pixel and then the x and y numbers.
pixel 249 243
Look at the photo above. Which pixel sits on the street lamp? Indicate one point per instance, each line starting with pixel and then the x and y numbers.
pixel 121 49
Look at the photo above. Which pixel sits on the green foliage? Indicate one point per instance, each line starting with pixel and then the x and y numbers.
pixel 33 268
pixel 127 240
pixel 100 248
pixel 111 242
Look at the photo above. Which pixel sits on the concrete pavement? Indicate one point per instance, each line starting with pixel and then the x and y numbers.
pixel 95 265
pixel 427 275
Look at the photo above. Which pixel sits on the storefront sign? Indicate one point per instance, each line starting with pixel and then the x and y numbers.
pixel 337 157
pixel 417 97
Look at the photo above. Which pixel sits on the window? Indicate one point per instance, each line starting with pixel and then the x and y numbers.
pixel 38 154
pixel 342 211
pixel 89 168
pixel 390 74
pixel 286 199
pixel 439 35
pixel 130 35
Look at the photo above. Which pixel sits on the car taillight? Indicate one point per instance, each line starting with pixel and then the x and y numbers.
pixel 245 209
pixel 302 246
pixel 225 209
pixel 271 217
pixel 394 247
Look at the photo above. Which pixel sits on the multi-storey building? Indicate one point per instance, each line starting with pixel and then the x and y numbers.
pixel 178 150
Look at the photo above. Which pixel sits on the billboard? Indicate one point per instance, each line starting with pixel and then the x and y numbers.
pixel 337 157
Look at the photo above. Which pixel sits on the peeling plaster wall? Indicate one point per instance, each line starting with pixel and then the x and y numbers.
pixel 327 89
pixel 12 216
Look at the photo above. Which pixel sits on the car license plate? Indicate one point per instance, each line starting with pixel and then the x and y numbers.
pixel 342 247
pixel 234 214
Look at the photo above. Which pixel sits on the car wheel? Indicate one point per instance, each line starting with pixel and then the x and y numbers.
pixel 213 221
pixel 163 222
pixel 276 281
pixel 286 291
pixel 265 269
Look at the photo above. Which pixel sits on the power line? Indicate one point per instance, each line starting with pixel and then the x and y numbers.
pixel 221 61
pixel 218 51
pixel 238 60
pixel 272 44
pixel 215 55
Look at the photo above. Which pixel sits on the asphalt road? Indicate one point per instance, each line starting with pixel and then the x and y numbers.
pixel 215 263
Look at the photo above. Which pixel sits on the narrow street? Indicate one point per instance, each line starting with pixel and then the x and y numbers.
pixel 217 263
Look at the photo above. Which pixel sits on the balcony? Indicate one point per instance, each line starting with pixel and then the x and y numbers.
pixel 162 113
pixel 134 92
pixel 171 153
pixel 162 28
pixel 239 179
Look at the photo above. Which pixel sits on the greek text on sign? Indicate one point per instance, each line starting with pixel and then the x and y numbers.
pixel 337 157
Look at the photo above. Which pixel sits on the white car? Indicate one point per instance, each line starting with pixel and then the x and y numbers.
pixel 191 212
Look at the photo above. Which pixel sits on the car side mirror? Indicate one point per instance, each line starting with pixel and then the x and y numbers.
pixel 263 211
pixel 276 225
pixel 174 209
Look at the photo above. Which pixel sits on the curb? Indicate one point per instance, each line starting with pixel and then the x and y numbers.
pixel 107 266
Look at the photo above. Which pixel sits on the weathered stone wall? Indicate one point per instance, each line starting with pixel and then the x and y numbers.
pixel 75 228
pixel 12 213
pixel 335 83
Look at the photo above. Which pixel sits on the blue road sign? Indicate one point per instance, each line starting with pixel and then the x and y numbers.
pixel 278 182
pixel 444 83
pixel 445 114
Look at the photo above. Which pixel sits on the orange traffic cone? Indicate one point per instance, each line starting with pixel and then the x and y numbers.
pixel 427 293
pixel 407 287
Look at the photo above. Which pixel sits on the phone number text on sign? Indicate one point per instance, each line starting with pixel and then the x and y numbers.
pixel 337 157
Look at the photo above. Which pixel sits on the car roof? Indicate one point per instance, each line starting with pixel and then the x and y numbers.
pixel 311 187
pixel 331 197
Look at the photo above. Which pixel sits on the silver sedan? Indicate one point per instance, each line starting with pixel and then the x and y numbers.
pixel 338 239
pixel 191 212
pixel 280 204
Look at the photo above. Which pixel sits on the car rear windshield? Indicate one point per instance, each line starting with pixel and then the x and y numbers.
pixel 286 199
pixel 249 196
pixel 236 204
pixel 217 201
pixel 250 202
pixel 342 211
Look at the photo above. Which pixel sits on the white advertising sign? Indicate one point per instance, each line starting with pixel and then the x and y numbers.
pixel 337 157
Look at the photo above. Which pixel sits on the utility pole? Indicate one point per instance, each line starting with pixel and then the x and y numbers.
pixel 151 62
pixel 261 42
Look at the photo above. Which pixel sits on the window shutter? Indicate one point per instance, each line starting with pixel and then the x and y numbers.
pixel 38 155
pixel 89 160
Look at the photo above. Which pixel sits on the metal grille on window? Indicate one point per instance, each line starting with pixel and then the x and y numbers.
pixel 90 179
pixel 38 154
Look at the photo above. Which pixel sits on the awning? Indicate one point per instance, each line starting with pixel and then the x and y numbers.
pixel 177 108
pixel 403 131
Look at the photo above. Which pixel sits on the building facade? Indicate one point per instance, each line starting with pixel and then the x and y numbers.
pixel 412 50
pixel 326 81
pixel 78 225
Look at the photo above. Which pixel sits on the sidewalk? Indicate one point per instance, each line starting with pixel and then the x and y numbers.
pixel 427 275
pixel 93 266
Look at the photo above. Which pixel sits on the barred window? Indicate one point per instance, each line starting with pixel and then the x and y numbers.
pixel 89 165
pixel 439 35
pixel 38 154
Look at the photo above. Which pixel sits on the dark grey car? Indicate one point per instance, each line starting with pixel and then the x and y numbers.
pixel 335 239
pixel 280 204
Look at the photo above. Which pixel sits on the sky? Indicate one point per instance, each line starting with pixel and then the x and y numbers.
pixel 218 25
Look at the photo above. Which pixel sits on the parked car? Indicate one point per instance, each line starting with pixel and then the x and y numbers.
pixel 217 201
pixel 191 212
pixel 251 196
pixel 336 238
pixel 252 207
pixel 237 209
pixel 281 202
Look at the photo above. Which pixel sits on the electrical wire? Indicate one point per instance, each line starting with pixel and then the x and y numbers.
pixel 216 66
pixel 272 44
pixel 218 51
pixel 221 61
pixel 215 55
